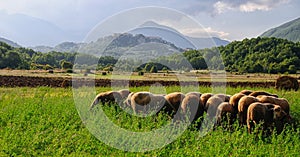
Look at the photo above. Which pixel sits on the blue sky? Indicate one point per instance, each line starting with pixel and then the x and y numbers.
pixel 227 19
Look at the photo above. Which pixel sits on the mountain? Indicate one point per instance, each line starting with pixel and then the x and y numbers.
pixel 151 28
pixel 289 30
pixel 148 38
pixel 126 45
pixel 62 47
pixel 28 30
pixel 9 42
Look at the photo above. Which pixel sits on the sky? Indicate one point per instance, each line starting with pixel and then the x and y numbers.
pixel 227 19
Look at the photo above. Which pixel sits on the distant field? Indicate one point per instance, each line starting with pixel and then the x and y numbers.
pixel 44 121
pixel 200 76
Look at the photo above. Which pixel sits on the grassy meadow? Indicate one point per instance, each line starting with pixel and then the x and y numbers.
pixel 45 122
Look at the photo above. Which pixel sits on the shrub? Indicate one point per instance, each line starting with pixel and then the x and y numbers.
pixel 153 69
pixel 69 71
pixel 141 73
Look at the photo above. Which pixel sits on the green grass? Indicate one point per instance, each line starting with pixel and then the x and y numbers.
pixel 44 122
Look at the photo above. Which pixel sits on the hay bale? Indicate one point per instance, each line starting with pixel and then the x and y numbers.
pixel 287 83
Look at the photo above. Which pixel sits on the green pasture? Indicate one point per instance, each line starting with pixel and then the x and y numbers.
pixel 45 122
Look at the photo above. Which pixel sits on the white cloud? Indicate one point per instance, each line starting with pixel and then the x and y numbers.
pixel 247 6
pixel 189 27
pixel 221 7
pixel 204 32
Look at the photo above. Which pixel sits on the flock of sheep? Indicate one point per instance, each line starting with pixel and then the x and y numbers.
pixel 248 107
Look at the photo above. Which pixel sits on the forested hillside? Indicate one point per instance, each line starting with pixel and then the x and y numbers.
pixel 289 30
pixel 265 55
pixel 268 55
pixel 23 58
pixel 256 55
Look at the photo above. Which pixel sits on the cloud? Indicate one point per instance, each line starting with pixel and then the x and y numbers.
pixel 204 32
pixel 189 27
pixel 246 5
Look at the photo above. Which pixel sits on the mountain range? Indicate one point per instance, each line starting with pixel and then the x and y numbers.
pixel 120 45
pixel 149 37
pixel 28 30
pixel 154 38
pixel 9 42
pixel 151 28
pixel 289 31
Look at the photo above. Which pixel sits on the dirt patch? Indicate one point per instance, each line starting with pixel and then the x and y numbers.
pixel 30 81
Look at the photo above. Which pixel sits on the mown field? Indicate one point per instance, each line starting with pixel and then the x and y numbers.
pixel 44 121
pixel 200 75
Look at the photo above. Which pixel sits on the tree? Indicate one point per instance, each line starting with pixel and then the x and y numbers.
pixel 11 60
pixel 66 65
pixel 198 63
pixel 292 69
pixel 153 69
pixel 148 67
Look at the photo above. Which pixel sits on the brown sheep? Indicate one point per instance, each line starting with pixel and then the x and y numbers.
pixel 234 101
pixel 109 96
pixel 246 91
pixel 174 99
pixel 282 102
pixel 225 97
pixel 257 93
pixel 224 114
pixel 287 83
pixel 198 94
pixel 191 108
pixel 124 93
pixel 212 105
pixel 127 101
pixel 146 102
pixel 267 114
pixel 204 97
pixel 243 105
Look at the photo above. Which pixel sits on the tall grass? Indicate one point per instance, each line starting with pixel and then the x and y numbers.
pixel 44 121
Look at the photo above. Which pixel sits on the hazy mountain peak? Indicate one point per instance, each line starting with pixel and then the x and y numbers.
pixel 149 24
pixel 9 42
pixel 137 46
pixel 151 28
pixel 28 30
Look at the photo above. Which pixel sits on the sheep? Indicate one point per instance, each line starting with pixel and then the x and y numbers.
pixel 198 94
pixel 243 105
pixel 109 96
pixel 204 97
pixel 225 97
pixel 257 93
pixel 282 102
pixel 191 108
pixel 246 91
pixel 127 101
pixel 234 100
pixel 212 105
pixel 124 93
pixel 174 100
pixel 266 113
pixel 146 102
pixel 224 114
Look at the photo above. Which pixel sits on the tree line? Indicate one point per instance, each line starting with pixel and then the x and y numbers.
pixel 256 55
